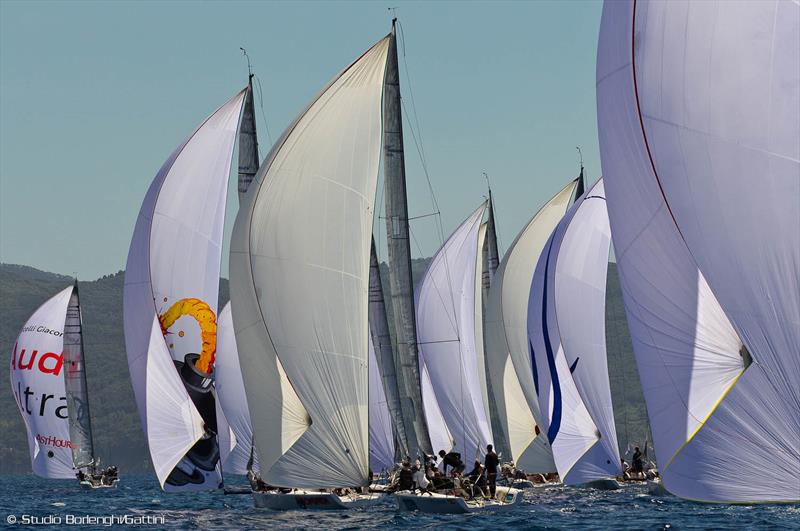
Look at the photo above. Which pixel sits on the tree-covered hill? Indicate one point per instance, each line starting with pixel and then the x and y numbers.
pixel 118 435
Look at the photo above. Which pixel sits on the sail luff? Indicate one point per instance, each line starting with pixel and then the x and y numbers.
pixel 248 143
pixel 400 279
pixel 384 354
pixel 80 422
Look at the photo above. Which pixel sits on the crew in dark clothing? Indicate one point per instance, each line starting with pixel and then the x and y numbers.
pixel 490 462
pixel 406 477
pixel 637 466
pixel 453 460
pixel 476 478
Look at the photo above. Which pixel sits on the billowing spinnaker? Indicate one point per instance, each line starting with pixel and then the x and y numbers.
pixel 718 422
pixel 37 381
pixel 506 338
pixel 232 398
pixel 80 422
pixel 299 284
pixel 566 328
pixel 170 301
pixel 381 434
pixel 446 334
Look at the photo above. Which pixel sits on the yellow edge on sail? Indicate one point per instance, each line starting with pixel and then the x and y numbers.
pixel 703 422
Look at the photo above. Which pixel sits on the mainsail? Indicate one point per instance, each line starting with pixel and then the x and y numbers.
pixel 490 261
pixel 385 358
pixel 38 385
pixel 170 302
pixel 702 182
pixel 381 433
pixel 506 338
pixel 80 423
pixel 248 143
pixel 566 329
pixel 231 397
pixel 400 281
pixel 446 333
pixel 299 284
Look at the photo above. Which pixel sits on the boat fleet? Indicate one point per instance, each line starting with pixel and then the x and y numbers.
pixel 322 377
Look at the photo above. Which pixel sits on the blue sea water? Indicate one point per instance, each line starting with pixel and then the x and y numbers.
pixel 552 507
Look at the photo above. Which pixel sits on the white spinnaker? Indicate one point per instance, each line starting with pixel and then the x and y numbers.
pixel 299 275
pixel 445 308
pixel 381 435
pixel 173 270
pixel 37 381
pixel 506 335
pixel 716 425
pixel 232 398
pixel 566 327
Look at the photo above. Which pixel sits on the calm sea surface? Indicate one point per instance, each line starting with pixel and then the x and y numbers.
pixel 544 508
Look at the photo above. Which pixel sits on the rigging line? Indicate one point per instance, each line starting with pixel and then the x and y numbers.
pixel 415 217
pixel 261 106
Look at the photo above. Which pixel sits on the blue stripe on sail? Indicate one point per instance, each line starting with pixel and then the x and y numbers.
pixel 533 366
pixel 574 365
pixel 555 419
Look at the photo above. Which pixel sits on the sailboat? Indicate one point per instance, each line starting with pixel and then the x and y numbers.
pixel 48 378
pixel 448 312
pixel 506 342
pixel 702 181
pixel 300 255
pixel 170 304
pixel 566 333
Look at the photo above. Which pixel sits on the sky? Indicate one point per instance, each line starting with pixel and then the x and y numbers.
pixel 94 96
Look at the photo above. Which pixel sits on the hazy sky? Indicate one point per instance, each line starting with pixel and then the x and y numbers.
pixel 94 96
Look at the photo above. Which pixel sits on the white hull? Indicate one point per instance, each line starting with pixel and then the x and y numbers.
pixel 93 485
pixel 505 498
pixel 313 501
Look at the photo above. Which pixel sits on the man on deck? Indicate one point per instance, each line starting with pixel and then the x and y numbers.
pixel 490 462
pixel 453 460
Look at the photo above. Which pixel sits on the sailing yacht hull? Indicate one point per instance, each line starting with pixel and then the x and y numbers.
pixel 602 484
pixel 313 501
pixel 92 486
pixel 505 498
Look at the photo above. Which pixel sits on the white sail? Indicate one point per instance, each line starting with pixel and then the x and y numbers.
pixel 506 337
pixel 232 399
pixel 299 284
pixel 446 334
pixel 381 434
pixel 566 328
pixel 37 381
pixel 718 421
pixel 170 299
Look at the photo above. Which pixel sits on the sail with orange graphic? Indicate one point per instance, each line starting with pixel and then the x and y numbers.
pixel 170 303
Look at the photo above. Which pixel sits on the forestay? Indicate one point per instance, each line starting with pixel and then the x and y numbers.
pixel 381 435
pixel 170 300
pixel 37 381
pixel 233 400
pixel 566 329
pixel 506 337
pixel 299 284
pixel 446 313
pixel 80 422
pixel 699 142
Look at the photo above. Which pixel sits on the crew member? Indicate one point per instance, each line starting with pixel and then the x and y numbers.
pixel 491 461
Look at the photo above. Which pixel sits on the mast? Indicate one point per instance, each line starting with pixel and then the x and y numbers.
pixel 382 342
pixel 491 259
pixel 80 422
pixel 400 280
pixel 248 141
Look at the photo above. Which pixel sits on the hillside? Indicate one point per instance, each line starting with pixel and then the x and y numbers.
pixel 118 435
